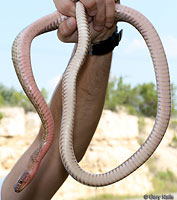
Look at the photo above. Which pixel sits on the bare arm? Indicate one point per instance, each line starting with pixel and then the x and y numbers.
pixel 91 89
pixel 92 84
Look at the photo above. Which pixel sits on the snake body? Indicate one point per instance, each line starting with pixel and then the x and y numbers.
pixel 21 59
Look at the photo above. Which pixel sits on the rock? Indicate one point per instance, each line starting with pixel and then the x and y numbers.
pixel 32 123
pixel 13 121
pixel 118 125
pixel 16 122
pixel 165 150
pixel 115 140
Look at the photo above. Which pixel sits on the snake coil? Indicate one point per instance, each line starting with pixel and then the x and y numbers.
pixel 22 64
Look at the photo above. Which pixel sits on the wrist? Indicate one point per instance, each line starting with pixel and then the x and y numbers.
pixel 107 45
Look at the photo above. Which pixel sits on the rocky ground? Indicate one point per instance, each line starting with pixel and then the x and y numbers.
pixel 117 137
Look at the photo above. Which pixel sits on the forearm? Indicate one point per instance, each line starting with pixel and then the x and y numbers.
pixel 91 89
pixel 92 85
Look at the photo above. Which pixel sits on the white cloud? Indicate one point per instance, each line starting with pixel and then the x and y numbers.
pixel 170 46
pixel 52 83
pixel 135 45
pixel 169 43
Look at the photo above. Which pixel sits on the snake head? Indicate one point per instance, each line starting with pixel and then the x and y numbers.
pixel 22 182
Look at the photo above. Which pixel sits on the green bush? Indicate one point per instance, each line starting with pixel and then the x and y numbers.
pixel 147 99
pixel 121 94
pixel 173 124
pixel 141 99
pixel 132 110
pixel 173 142
pixel 141 124
pixel 165 182
pixel 12 97
pixel 111 98
pixel 1 115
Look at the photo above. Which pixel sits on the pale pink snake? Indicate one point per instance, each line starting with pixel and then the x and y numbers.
pixel 22 63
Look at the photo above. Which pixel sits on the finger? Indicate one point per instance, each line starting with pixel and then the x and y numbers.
pixel 110 13
pixel 67 30
pixel 66 7
pixel 89 18
pixel 99 19
pixel 90 6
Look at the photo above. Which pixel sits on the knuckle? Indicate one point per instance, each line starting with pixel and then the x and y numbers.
pixel 100 20
pixel 100 1
pixel 62 30
pixel 110 2
pixel 110 17
pixel 62 7
pixel 65 6
pixel 60 37
pixel 89 4
pixel 110 10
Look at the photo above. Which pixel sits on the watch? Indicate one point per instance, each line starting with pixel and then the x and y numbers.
pixel 106 46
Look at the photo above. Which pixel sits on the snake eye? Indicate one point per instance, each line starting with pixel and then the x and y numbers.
pixel 20 181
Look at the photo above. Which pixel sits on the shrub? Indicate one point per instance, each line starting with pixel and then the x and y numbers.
pixel 173 142
pixel 141 124
pixel 1 115
pixel 165 182
pixel 173 124
pixel 141 99
pixel 11 97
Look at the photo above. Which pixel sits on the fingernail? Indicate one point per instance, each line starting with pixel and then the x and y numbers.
pixel 108 24
pixel 98 28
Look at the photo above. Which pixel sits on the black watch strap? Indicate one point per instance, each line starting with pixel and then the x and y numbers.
pixel 106 46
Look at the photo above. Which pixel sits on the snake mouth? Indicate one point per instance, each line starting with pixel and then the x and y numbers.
pixel 22 182
pixel 19 186
pixel 17 189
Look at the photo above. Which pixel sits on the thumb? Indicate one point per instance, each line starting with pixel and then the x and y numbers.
pixel 67 30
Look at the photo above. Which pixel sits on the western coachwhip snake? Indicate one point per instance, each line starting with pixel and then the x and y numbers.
pixel 22 64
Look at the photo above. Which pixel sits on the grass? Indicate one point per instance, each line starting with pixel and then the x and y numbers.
pixel 1 115
pixel 164 182
pixel 151 164
pixel 173 142
pixel 132 110
pixel 141 124
pixel 109 197
pixel 173 124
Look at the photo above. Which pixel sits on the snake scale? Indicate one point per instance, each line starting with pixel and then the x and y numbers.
pixel 22 63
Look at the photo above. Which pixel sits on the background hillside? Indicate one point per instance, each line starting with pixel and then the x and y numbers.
pixel 126 122
pixel 112 144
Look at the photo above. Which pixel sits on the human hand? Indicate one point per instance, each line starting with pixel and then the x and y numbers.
pixel 102 11
pixel 67 31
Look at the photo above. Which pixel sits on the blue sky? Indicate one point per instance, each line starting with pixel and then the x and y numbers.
pixel 50 57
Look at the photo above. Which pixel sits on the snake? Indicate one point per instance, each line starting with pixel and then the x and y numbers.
pixel 22 63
